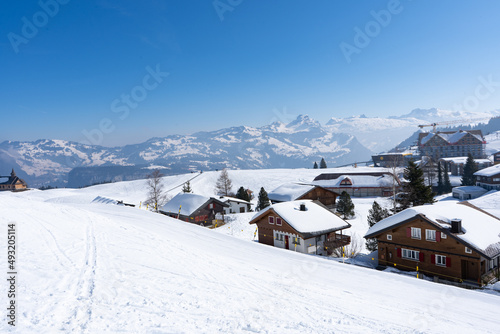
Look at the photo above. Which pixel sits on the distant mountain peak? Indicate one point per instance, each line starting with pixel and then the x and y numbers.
pixel 303 122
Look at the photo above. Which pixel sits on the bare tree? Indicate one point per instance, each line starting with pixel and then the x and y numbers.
pixel 157 196
pixel 224 184
pixel 351 250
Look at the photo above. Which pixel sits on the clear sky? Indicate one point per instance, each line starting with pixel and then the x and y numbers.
pixel 70 66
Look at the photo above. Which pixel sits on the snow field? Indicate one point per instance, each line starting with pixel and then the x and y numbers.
pixel 91 268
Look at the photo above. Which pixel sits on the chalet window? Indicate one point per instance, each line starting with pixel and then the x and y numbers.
pixel 211 206
pixel 411 254
pixel 443 235
pixel 346 182
pixel 440 260
pixel 278 221
pixel 389 237
pixel 468 250
pixel 416 233
pixel 271 220
pixel 430 235
pixel 296 241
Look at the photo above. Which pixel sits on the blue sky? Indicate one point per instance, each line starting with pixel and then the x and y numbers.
pixel 234 62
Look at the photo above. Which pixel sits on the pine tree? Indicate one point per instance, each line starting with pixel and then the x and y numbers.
pixel 375 214
pixel 468 178
pixel 447 184
pixel 322 164
pixel 440 185
pixel 345 206
pixel 315 165
pixel 263 200
pixel 415 190
pixel 224 184
pixel 186 188
pixel 243 194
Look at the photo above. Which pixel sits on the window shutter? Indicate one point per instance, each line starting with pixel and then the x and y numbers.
pixel 448 261
pixel 399 252
pixel 408 232
pixel 438 236
pixel 433 259
pixel 421 257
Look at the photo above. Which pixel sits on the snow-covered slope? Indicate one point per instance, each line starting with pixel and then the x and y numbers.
pixel 94 268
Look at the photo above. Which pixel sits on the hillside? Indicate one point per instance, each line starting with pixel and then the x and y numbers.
pixel 91 268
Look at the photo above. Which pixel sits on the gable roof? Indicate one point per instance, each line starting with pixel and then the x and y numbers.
pixel 316 220
pixel 227 199
pixel 188 203
pixel 451 137
pixel 289 192
pixel 383 180
pixel 490 171
pixel 482 231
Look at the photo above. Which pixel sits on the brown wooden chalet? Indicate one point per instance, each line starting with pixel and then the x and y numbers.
pixel 194 208
pixel 360 183
pixel 455 242
pixel 14 183
pixel 303 226
pixel 294 191
pixel 489 178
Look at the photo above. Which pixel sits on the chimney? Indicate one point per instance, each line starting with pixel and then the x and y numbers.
pixel 456 225
pixel 302 207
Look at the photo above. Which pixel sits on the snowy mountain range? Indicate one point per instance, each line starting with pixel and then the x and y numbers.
pixel 296 144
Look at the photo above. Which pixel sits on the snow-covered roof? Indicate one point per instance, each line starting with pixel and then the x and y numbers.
pixel 470 190
pixel 370 181
pixel 463 160
pixel 482 231
pixel 104 200
pixel 490 171
pixel 314 221
pixel 189 202
pixel 451 138
pixel 233 199
pixel 289 192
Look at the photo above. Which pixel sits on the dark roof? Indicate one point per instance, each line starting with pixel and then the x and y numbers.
pixel 13 179
pixel 333 176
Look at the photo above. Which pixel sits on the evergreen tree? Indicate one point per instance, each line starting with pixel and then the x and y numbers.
pixel 224 184
pixel 440 185
pixel 263 200
pixel 243 194
pixel 375 214
pixel 186 188
pixel 322 164
pixel 345 206
pixel 315 165
pixel 447 184
pixel 415 190
pixel 468 178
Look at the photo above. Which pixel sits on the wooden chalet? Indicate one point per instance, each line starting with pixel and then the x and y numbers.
pixel 14 183
pixel 195 209
pixel 360 184
pixel 489 178
pixel 294 191
pixel 448 240
pixel 303 226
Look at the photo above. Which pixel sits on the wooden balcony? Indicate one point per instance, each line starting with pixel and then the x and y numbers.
pixel 336 240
